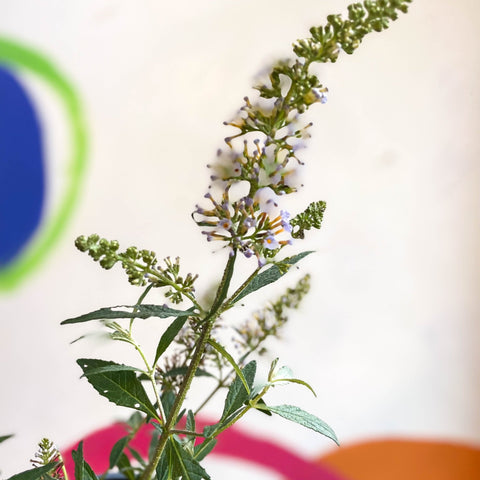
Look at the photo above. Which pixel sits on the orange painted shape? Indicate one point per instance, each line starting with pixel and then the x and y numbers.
pixel 405 460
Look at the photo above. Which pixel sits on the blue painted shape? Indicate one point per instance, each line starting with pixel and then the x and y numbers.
pixel 22 168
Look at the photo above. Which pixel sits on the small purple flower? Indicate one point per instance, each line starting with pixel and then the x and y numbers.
pixel 320 94
pixel 225 223
pixel 248 201
pixel 270 242
pixel 261 261
pixel 250 222
pixel 285 222
pixel 237 169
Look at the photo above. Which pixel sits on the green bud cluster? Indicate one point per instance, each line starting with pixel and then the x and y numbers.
pixel 290 90
pixel 46 454
pixel 140 266
pixel 269 321
pixel 347 34
pixel 311 218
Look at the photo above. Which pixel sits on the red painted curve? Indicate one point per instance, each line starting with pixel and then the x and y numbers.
pixel 232 443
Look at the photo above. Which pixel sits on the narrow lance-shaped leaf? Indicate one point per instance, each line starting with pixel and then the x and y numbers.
pixel 83 471
pixel 270 275
pixel 169 335
pixel 202 450
pixel 230 360
pixel 285 375
pixel 117 451
pixel 183 370
pixel 294 380
pixel 114 367
pixel 135 311
pixel 297 415
pixel 164 466
pixel 190 427
pixel 237 394
pixel 125 467
pixel 185 463
pixel 225 282
pixel 136 455
pixel 120 386
pixel 35 473
pixel 5 437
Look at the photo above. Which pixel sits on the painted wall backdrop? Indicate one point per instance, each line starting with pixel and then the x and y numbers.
pixel 109 112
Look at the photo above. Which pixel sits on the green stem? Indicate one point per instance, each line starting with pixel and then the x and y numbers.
pixel 167 282
pixel 150 371
pixel 185 432
pixel 151 375
pixel 221 383
pixel 252 404
pixel 207 326
pixel 139 301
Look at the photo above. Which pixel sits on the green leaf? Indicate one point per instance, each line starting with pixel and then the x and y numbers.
pixel 261 401
pixel 135 421
pixel 136 456
pixel 168 399
pixel 169 335
pixel 185 464
pixel 202 450
pixel 285 375
pixel 183 370
pixel 297 415
pixel 164 470
pixel 5 437
pixel 137 311
pixel 125 467
pixel 270 275
pixel 230 360
pixel 120 386
pixel 225 283
pixel 117 450
pixel 34 473
pixel 114 367
pixel 237 393
pixel 83 471
pixel 190 426
pixel 295 380
pixel 155 436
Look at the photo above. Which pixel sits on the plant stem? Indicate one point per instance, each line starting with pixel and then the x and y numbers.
pixel 207 326
pixel 151 376
pixel 150 370
pixel 185 432
pixel 221 383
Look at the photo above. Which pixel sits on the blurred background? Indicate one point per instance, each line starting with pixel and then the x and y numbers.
pixel 109 112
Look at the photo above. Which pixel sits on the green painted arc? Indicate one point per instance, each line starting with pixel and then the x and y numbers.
pixel 20 57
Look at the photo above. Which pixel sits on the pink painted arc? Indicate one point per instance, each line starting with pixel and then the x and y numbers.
pixel 231 443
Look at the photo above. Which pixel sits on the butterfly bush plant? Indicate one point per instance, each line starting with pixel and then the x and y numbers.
pixel 246 211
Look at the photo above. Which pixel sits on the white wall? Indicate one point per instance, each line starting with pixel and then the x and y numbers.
pixel 390 335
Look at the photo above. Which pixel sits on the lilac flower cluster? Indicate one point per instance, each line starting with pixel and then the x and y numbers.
pixel 253 223
pixel 246 224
